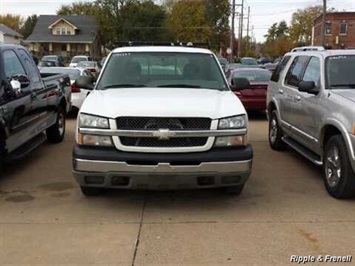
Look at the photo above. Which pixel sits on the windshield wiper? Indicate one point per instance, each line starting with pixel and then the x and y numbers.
pixel 179 86
pixel 124 86
pixel 343 85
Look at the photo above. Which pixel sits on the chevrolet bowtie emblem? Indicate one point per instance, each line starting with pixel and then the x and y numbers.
pixel 163 134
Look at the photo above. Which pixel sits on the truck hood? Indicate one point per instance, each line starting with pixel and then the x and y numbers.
pixel 165 102
pixel 348 94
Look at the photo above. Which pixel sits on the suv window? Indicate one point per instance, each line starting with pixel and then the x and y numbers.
pixel 12 64
pixel 33 70
pixel 312 72
pixel 280 67
pixel 296 70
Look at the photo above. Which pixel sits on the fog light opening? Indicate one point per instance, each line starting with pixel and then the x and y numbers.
pixel 205 180
pixel 230 179
pixel 94 180
pixel 121 181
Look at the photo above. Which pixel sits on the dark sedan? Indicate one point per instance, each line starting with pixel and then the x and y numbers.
pixel 254 97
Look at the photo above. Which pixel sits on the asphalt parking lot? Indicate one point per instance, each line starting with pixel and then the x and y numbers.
pixel 284 210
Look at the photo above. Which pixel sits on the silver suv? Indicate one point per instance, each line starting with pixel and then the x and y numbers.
pixel 311 108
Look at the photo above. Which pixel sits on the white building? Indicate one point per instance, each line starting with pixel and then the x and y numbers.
pixel 9 36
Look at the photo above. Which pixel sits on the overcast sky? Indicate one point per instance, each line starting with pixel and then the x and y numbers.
pixel 263 13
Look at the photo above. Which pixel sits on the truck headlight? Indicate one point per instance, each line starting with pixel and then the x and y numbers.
pixel 231 141
pixel 91 121
pixel 233 122
pixel 93 140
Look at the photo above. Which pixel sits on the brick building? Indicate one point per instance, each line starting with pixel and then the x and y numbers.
pixel 339 32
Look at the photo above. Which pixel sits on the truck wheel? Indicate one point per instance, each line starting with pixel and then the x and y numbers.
pixel 233 190
pixel 55 133
pixel 275 133
pixel 90 191
pixel 339 178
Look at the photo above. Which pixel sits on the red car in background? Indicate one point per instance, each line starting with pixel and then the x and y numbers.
pixel 252 95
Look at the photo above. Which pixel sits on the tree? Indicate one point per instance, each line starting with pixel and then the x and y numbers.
pixel 276 31
pixel 12 21
pixel 142 21
pixel 217 15
pixel 28 26
pixel 278 41
pixel 302 23
pixel 188 22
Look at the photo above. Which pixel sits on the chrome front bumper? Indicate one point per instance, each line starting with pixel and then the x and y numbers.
pixel 111 174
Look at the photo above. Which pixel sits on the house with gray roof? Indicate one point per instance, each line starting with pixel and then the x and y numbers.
pixel 9 36
pixel 64 35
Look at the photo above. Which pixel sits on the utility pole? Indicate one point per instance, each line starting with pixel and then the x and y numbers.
pixel 231 44
pixel 323 22
pixel 240 38
pixel 248 28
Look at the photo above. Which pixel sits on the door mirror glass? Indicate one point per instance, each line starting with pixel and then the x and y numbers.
pixel 85 82
pixel 240 84
pixel 15 84
pixel 22 79
pixel 308 86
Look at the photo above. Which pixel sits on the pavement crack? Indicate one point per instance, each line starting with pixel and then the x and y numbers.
pixel 139 230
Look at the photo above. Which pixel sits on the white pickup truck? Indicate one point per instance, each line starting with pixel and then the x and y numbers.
pixel 161 118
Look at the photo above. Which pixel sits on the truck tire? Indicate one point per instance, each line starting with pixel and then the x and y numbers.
pixel 339 178
pixel 275 133
pixel 90 191
pixel 55 133
pixel 233 190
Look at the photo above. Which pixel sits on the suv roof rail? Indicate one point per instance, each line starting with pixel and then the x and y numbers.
pixel 308 48
pixel 146 43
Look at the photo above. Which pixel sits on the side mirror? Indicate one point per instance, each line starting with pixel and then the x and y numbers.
pixel 240 84
pixel 308 87
pixel 15 84
pixel 85 82
pixel 22 79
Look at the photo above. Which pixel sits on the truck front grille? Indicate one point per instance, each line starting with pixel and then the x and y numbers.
pixel 170 143
pixel 156 123
pixel 149 123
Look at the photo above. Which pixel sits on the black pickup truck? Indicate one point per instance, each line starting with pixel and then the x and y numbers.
pixel 32 108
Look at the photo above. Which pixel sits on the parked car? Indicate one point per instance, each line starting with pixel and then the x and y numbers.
pixel 30 104
pixel 270 66
pixel 249 61
pixel 161 130
pixel 263 60
pixel 56 58
pixel 253 93
pixel 223 62
pixel 76 59
pixel 42 64
pixel 78 94
pixel 102 61
pixel 93 66
pixel 311 108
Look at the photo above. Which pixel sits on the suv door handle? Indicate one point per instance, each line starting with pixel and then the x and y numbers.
pixel 281 91
pixel 33 95
pixel 298 98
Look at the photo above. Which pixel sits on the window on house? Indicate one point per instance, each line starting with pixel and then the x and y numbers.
pixel 64 47
pixel 68 31
pixel 63 31
pixel 328 28
pixel 58 31
pixel 343 28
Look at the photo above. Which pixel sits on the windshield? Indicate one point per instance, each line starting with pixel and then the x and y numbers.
pixel 78 59
pixel 259 76
pixel 49 58
pixel 249 61
pixel 340 71
pixel 46 64
pixel 72 73
pixel 86 64
pixel 158 69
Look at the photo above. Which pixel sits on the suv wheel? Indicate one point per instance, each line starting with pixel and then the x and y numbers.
pixel 55 133
pixel 275 133
pixel 339 178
